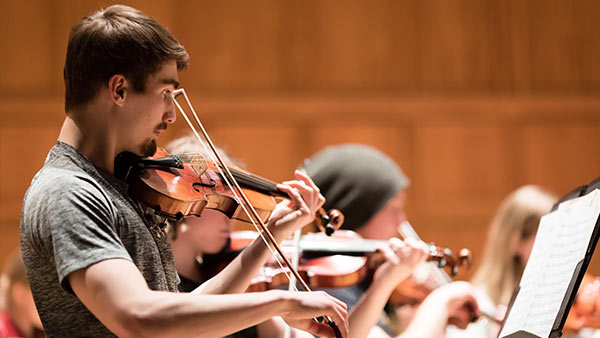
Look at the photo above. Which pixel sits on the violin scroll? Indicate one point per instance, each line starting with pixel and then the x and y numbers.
pixel 329 222
pixel 445 258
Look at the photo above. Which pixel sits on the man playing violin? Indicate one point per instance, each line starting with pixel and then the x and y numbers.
pixel 369 189
pixel 95 265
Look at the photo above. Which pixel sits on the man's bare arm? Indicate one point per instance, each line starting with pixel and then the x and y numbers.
pixel 117 294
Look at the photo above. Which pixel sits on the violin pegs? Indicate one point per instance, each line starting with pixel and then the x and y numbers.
pixel 454 271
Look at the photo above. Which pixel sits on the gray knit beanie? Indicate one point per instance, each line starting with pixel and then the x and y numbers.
pixel 356 179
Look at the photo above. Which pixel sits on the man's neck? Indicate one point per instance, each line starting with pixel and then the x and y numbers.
pixel 92 138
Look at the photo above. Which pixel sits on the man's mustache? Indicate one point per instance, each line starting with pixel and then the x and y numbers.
pixel 161 126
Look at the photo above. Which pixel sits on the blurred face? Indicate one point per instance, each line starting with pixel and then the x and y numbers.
pixel 384 224
pixel 146 115
pixel 524 247
pixel 209 233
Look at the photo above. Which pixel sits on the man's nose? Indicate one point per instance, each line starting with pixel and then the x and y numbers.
pixel 170 116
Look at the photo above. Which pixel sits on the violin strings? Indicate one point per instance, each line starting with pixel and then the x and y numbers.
pixel 212 154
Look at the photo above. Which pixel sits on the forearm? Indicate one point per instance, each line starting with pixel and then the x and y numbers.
pixel 430 321
pixel 237 275
pixel 196 315
pixel 275 327
pixel 366 312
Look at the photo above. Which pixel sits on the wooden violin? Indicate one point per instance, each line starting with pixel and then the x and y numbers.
pixel 178 186
pixel 338 261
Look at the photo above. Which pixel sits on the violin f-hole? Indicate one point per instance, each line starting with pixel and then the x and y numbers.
pixel 211 184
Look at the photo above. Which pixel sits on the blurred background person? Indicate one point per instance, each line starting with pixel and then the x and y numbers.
pixel 18 317
pixel 369 188
pixel 509 242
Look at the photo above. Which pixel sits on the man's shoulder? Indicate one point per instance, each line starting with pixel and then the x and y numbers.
pixel 56 190
pixel 62 181
pixel 63 170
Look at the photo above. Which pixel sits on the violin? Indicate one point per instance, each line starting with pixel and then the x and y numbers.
pixel 338 261
pixel 427 277
pixel 178 186
pixel 330 271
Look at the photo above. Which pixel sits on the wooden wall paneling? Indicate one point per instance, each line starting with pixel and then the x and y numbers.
pixel 353 47
pixel 555 55
pixel 234 45
pixel 23 150
pixel 461 169
pixel 404 62
pixel 520 45
pixel 559 157
pixel 26 40
pixel 588 43
pixel 459 48
pixel 461 173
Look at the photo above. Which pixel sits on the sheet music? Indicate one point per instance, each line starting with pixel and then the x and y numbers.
pixel 560 244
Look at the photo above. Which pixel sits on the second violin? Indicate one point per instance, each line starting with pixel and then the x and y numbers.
pixel 339 261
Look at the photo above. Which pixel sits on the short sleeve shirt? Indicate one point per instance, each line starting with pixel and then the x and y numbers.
pixel 75 215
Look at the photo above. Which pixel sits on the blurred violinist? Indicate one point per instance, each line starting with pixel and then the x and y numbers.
pixel 369 189
pixel 196 238
pixel 509 242
pixel 97 266
pixel 18 316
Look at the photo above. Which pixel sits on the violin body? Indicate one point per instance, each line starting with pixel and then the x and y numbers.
pixel 330 271
pixel 186 190
pixel 178 193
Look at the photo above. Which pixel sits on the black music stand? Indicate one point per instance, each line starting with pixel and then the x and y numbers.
pixel 576 278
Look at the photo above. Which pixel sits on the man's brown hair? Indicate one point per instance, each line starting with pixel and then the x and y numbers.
pixel 116 40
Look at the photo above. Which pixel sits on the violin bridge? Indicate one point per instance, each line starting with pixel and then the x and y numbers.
pixel 198 163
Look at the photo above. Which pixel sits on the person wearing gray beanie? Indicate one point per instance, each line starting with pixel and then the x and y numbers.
pixel 356 179
pixel 369 188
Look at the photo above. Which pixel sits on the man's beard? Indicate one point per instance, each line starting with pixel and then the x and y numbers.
pixel 148 148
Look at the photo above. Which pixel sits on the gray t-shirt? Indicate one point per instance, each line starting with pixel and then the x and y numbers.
pixel 75 215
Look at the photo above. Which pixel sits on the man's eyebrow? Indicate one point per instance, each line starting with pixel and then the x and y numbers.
pixel 171 82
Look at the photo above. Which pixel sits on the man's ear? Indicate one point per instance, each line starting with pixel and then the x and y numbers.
pixel 117 88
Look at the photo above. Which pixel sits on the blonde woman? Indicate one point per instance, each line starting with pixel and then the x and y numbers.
pixel 509 242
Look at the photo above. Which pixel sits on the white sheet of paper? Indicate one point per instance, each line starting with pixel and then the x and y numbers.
pixel 560 244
